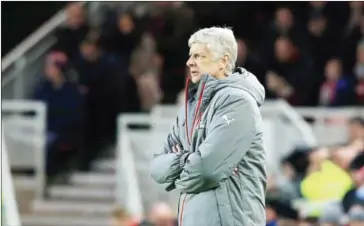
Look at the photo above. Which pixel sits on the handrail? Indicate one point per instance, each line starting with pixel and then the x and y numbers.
pixel 319 112
pixel 285 108
pixel 34 38
pixel 125 156
pixel 11 208
pixel 306 131
pixel 40 109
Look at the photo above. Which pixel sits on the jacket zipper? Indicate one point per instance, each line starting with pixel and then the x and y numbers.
pixel 196 120
pixel 196 117
pixel 181 211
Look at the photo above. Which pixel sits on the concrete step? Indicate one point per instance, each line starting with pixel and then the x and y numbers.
pixel 24 182
pixel 93 179
pixel 24 199
pixel 33 220
pixel 61 207
pixel 66 192
pixel 105 165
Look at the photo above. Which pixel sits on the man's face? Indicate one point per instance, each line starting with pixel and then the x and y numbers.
pixel 317 26
pixel 360 55
pixel 317 4
pixel 333 70
pixel 75 15
pixel 283 49
pixel 52 72
pixel 355 130
pixel 202 61
pixel 89 51
pixel 125 24
pixel 284 19
pixel 242 51
pixel 358 176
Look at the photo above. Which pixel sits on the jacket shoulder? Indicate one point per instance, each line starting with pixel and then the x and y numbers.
pixel 232 94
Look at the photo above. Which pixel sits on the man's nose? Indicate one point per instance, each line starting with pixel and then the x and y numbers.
pixel 190 62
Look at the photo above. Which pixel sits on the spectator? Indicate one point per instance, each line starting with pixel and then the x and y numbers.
pixel 356 15
pixel 121 37
pixel 294 168
pixel 356 129
pixel 337 89
pixel 322 176
pixel 320 42
pixel 75 30
pixel 278 213
pixel 145 67
pixel 64 112
pixel 353 35
pixel 121 218
pixel 289 76
pixel 359 73
pixel 283 25
pixel 343 155
pixel 356 216
pixel 248 61
pixel 335 20
pixel 355 196
pixel 102 81
pixel 331 216
pixel 176 25
pixel 160 215
pixel 138 58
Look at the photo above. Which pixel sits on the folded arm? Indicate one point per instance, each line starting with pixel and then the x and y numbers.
pixel 166 166
pixel 229 136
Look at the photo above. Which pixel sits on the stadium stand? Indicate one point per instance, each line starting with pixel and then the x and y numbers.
pixel 90 94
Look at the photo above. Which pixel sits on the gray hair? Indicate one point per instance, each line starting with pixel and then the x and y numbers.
pixel 220 41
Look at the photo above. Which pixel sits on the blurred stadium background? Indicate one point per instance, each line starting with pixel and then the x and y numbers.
pixel 91 94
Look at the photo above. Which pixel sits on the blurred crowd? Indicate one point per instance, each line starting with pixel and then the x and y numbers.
pixel 329 180
pixel 133 55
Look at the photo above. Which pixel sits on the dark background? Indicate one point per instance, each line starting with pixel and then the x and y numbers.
pixel 20 19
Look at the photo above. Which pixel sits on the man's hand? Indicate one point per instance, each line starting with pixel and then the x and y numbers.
pixel 176 148
pixel 274 81
pixel 279 85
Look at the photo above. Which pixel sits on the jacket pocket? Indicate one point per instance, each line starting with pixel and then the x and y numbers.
pixel 224 205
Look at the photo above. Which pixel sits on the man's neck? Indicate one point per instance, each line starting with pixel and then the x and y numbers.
pixel 222 74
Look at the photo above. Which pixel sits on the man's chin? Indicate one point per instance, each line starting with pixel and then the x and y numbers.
pixel 195 79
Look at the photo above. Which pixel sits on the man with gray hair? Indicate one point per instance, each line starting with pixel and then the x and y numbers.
pixel 214 154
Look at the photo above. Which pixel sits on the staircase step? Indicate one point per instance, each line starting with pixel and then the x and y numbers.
pixel 92 178
pixel 66 192
pixel 24 182
pixel 61 207
pixel 32 220
pixel 105 165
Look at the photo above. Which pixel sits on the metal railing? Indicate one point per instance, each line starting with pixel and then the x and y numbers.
pixel 21 68
pixel 33 153
pixel 8 200
pixel 279 118
pixel 330 124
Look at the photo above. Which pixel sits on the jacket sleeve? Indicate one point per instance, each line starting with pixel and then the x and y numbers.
pixel 229 136
pixel 165 167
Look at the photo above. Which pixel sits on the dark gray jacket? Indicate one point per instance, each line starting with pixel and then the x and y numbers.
pixel 228 135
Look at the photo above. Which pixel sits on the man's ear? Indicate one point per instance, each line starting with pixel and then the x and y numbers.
pixel 224 62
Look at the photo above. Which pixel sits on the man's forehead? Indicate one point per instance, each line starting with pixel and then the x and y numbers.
pixel 198 48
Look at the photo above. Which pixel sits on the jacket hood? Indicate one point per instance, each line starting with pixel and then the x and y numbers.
pixel 240 79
